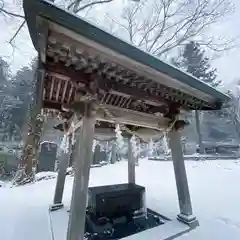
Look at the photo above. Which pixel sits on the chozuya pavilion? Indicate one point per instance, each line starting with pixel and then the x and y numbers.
pixel 94 81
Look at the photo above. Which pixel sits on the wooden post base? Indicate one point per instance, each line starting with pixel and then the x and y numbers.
pixel 55 207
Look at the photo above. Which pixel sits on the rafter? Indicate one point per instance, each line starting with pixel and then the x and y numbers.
pixel 161 95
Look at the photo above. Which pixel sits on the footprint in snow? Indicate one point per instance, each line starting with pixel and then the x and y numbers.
pixel 228 168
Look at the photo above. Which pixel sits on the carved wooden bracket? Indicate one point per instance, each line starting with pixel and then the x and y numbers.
pixel 180 124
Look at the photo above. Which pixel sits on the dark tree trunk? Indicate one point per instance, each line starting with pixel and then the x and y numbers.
pixel 32 140
pixel 199 135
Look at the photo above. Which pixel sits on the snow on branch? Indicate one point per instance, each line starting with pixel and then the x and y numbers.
pixel 9 13
pixel 16 33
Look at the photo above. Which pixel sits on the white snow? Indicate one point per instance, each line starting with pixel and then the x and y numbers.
pixel 45 176
pixel 213 186
pixel 69 171
pixel 2 184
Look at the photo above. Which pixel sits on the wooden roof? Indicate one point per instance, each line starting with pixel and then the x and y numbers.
pixel 80 57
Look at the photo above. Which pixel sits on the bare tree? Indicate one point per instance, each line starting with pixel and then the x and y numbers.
pixel 79 5
pixel 159 26
pixel 232 109
pixel 76 6
pixel 7 12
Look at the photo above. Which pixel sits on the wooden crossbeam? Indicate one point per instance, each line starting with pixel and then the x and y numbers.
pixel 121 116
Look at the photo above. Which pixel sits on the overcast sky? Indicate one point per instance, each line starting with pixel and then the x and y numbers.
pixel 22 53
pixel 228 64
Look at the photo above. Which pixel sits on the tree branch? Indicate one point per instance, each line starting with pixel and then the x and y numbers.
pixel 165 12
pixel 166 24
pixel 16 33
pixel 151 26
pixel 70 5
pixel 12 14
pixel 132 26
pixel 92 4
pixel 116 22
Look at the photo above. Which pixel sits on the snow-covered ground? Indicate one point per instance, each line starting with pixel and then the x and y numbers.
pixel 213 186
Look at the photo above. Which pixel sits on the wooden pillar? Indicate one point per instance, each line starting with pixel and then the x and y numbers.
pixel 62 169
pixel 84 156
pixel 138 152
pixel 186 214
pixel 131 162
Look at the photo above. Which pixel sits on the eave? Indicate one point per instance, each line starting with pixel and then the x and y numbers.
pixel 126 55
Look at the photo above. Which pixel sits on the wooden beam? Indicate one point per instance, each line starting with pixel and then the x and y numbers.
pixel 105 84
pixel 185 100
pixel 124 116
pixel 104 130
pixel 43 29
pixel 52 105
pixel 110 114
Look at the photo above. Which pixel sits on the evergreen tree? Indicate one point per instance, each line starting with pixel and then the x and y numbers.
pixel 16 93
pixel 194 61
pixel 7 100
pixel 23 90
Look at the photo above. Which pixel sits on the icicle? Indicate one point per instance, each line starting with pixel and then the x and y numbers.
pixel 73 134
pixel 94 145
pixel 64 146
pixel 165 144
pixel 151 146
pixel 119 137
pixel 134 146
